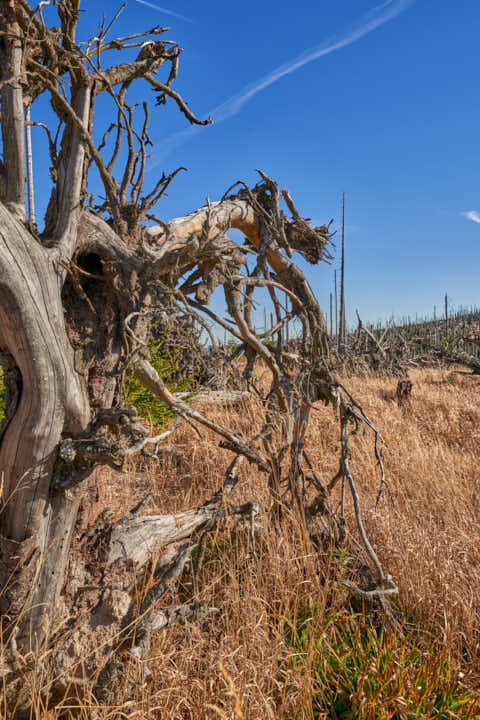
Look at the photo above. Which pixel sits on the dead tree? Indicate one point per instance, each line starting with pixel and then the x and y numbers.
pixel 388 354
pixel 343 326
pixel 76 309
pixel 459 358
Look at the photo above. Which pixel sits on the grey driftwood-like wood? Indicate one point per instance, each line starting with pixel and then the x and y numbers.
pixel 217 397
pixel 136 539
pixel 77 307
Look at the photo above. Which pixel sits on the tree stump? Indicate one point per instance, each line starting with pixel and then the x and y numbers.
pixel 404 391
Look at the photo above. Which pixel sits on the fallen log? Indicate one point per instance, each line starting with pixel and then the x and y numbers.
pixel 217 397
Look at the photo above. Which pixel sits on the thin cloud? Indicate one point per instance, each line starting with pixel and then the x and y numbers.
pixel 472 215
pixel 164 10
pixel 373 19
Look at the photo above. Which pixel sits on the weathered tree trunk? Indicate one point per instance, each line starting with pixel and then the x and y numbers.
pixel 53 401
pixel 76 309
pixel 63 391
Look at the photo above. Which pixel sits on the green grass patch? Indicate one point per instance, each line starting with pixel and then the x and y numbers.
pixel 356 672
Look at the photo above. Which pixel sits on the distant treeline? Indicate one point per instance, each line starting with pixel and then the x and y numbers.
pixel 455 330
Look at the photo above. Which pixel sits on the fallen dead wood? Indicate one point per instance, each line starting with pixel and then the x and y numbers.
pixel 216 397
pixel 464 359
pixel 77 310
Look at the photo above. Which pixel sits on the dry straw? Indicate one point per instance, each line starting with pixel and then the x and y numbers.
pixel 266 652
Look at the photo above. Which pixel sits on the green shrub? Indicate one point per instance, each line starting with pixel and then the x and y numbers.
pixel 359 673
pixel 149 406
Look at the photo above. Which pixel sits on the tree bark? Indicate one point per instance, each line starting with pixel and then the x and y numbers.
pixel 53 400
pixel 12 114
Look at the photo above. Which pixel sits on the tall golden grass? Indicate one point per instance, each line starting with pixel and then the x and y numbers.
pixel 276 644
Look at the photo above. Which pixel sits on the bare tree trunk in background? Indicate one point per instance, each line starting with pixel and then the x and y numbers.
pixel 342 333
pixel 336 304
pixel 331 315
pixel 446 315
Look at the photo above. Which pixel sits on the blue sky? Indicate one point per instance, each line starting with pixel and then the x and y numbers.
pixel 392 119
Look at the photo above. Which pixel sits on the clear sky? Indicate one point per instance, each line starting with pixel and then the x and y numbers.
pixel 381 102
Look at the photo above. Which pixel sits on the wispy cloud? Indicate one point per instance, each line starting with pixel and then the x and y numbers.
pixel 472 215
pixel 373 19
pixel 164 10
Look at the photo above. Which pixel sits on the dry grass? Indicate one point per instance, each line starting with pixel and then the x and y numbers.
pixel 429 536
pixel 254 657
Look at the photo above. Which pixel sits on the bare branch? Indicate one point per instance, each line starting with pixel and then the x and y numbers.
pixel 182 105
pixel 148 376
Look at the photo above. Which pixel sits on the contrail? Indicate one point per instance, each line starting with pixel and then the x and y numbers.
pixel 164 10
pixel 373 19
pixel 472 215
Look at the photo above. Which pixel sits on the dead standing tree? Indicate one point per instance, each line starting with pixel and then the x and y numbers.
pixel 76 304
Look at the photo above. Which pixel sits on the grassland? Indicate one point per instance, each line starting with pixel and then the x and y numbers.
pixel 286 639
